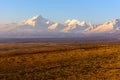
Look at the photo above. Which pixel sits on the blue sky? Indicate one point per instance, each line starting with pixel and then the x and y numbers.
pixel 95 11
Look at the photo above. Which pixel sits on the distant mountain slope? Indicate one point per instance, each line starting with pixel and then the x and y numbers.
pixel 40 26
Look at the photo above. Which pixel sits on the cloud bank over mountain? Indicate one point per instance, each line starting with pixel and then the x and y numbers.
pixel 39 26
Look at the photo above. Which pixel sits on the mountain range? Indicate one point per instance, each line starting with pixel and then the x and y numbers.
pixel 39 26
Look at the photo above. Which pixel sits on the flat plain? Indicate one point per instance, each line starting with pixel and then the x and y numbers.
pixel 59 61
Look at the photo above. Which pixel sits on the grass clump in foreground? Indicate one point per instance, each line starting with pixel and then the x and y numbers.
pixel 59 61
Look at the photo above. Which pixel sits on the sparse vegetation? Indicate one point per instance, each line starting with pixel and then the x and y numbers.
pixel 59 61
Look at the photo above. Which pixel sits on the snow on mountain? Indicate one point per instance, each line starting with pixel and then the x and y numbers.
pixel 56 27
pixel 74 26
pixel 117 24
pixel 29 21
pixel 109 26
pixel 74 22
pixel 53 26
pixel 34 25
pixel 37 21
pixel 39 26
pixel 91 27
pixel 42 23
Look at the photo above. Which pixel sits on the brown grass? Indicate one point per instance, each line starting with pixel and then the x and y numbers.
pixel 59 61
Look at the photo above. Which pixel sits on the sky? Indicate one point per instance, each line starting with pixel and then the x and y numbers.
pixel 94 11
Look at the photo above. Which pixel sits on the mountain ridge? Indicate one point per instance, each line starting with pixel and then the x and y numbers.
pixel 39 25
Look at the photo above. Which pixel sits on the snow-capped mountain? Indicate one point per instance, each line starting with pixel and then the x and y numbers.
pixel 107 27
pixel 39 26
pixel 38 22
pixel 75 26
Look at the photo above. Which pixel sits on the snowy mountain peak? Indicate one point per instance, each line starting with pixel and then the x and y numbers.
pixel 36 21
pixel 30 21
pixel 75 26
pixel 39 25
pixel 109 27
pixel 33 18
pixel 53 26
pixel 74 22
pixel 40 18
pixel 113 21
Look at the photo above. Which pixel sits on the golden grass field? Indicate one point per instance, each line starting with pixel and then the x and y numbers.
pixel 59 61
